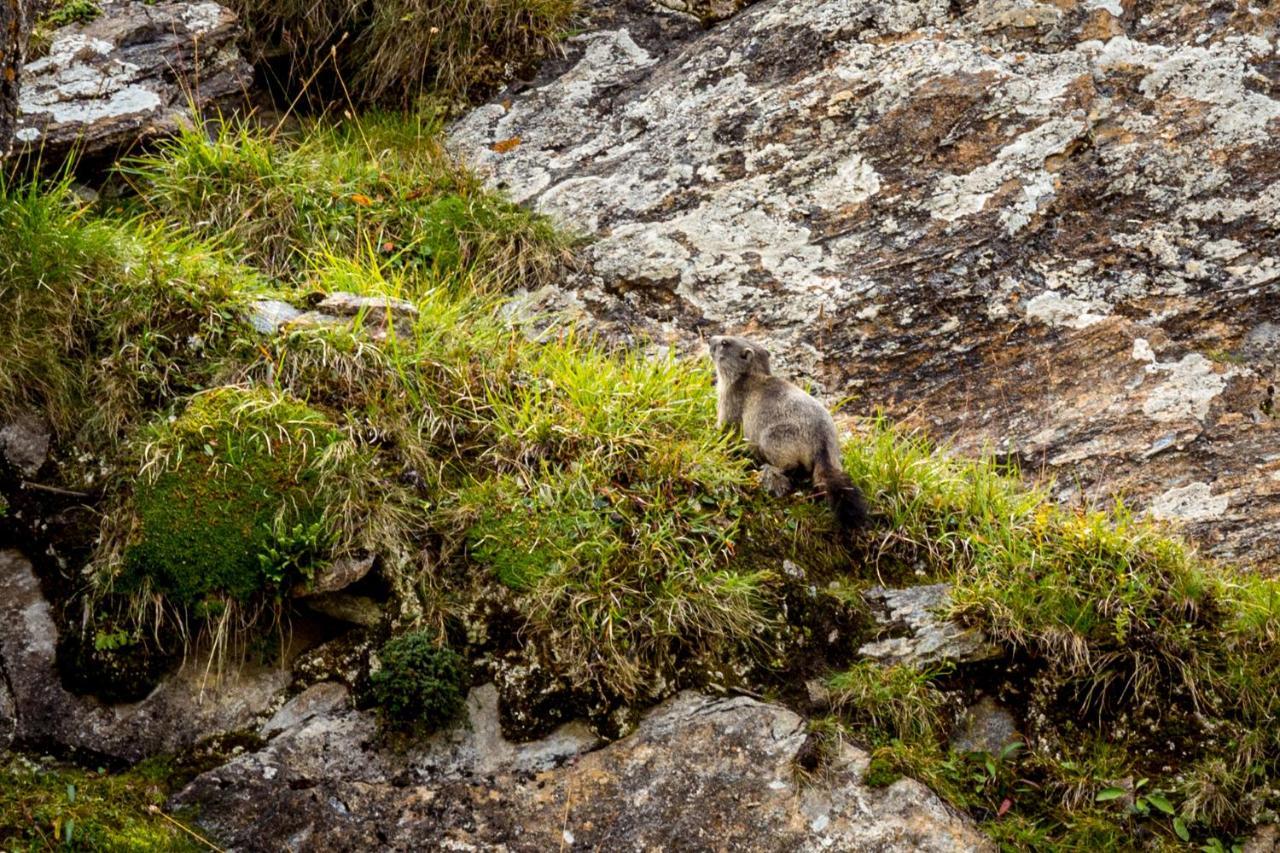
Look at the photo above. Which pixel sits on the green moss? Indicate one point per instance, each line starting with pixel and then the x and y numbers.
pixel 881 773
pixel 235 473
pixel 45 806
pixel 420 682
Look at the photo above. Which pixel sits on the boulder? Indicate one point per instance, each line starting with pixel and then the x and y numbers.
pixel 698 773
pixel 134 71
pixel 185 708
pixel 920 633
pixel 1051 230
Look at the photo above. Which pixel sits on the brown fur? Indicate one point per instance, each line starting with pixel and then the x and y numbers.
pixel 788 428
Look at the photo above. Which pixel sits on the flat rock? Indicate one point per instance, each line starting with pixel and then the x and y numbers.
pixel 186 707
pixel 923 634
pixel 338 575
pixel 348 304
pixel 269 315
pixel 133 72
pixel 698 773
pixel 1047 229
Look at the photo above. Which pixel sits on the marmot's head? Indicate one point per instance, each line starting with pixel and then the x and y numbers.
pixel 736 357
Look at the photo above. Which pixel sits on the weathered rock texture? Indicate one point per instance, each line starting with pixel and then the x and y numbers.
pixel 698 774
pixel 917 632
pixel 39 712
pixel 135 71
pixel 14 25
pixel 1048 229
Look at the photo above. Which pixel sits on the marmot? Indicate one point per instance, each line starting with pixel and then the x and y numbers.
pixel 793 432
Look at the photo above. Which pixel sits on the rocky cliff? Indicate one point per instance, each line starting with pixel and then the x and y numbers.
pixel 1051 229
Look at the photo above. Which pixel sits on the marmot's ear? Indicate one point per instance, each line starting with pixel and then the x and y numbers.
pixel 746 354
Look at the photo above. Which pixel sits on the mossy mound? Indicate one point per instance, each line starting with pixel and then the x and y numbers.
pixel 421 683
pixel 232 502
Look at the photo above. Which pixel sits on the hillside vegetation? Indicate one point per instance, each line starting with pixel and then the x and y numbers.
pixel 529 490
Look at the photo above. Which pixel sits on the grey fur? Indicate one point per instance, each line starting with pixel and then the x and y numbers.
pixel 788 428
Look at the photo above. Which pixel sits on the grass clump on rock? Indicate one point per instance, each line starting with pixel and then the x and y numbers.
pixel 421 683
pixel 383 185
pixel 395 51
pixel 105 318
pixel 227 488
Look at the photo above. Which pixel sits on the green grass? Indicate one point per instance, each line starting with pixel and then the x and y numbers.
pixel 577 500
pixel 381 186
pixel 104 318
pixel 49 806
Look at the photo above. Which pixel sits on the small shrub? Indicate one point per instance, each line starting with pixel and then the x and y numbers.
pixel 421 682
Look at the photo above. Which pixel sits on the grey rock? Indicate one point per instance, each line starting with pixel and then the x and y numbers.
pixel 924 635
pixel 131 73
pixel 356 609
pixel 324 699
pixel 268 315
pixel 1024 226
pixel 24 444
pixel 338 575
pixel 8 713
pixel 348 305
pixel 378 316
pixel 698 773
pixel 186 707
pixel 986 726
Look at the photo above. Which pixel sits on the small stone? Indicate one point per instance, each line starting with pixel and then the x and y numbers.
pixel 925 635
pixel 24 444
pixel 269 315
pixel 348 305
pixel 987 726
pixel 338 575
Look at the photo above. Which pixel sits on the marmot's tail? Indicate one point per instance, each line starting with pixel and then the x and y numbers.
pixel 845 498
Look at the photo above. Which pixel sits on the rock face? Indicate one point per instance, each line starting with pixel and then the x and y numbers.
pixel 133 72
pixel 42 713
pixel 1051 229
pixel 14 25
pixel 698 773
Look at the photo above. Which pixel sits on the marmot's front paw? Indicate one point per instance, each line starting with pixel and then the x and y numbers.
pixel 775 481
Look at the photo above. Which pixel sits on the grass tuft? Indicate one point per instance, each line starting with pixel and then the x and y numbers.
pixel 396 51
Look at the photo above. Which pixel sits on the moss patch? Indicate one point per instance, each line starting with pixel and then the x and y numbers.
pixel 46 806
pixel 233 475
